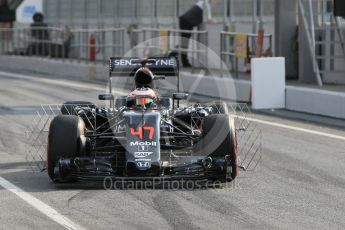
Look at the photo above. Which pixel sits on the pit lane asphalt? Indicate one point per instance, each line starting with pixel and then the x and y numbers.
pixel 300 183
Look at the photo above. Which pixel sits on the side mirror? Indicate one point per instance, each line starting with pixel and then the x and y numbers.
pixel 106 97
pixel 180 96
pixel 159 78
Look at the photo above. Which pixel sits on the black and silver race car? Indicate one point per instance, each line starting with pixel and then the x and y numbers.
pixel 142 135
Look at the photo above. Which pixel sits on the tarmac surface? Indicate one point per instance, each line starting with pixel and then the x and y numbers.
pixel 299 184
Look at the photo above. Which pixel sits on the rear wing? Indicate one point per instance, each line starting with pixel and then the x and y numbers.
pixel 160 66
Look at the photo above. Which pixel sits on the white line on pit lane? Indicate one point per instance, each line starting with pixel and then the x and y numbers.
pixel 294 128
pixel 40 206
pixel 90 86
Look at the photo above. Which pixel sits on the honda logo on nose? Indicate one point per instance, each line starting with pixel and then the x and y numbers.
pixel 143 164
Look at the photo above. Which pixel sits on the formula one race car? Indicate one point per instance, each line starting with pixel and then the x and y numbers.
pixel 142 135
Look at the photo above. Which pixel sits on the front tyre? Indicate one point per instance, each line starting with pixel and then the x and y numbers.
pixel 219 142
pixel 65 139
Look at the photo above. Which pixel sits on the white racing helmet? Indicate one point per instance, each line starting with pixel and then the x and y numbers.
pixel 143 96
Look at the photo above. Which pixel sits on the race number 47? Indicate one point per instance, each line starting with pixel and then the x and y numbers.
pixel 140 132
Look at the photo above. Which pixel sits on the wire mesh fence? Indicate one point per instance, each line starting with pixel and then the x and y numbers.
pixel 249 134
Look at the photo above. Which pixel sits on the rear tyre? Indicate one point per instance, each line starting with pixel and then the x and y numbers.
pixel 220 107
pixel 68 107
pixel 219 140
pixel 65 138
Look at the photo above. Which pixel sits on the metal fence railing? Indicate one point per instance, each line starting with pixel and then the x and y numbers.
pixel 328 32
pixel 305 11
pixel 108 42
pixel 233 47
pixel 148 12
pixel 97 45
pixel 30 41
pixel 82 45
pixel 147 42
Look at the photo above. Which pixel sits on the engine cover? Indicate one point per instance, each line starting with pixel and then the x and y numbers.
pixel 143 134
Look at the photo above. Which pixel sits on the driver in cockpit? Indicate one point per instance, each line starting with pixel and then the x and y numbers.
pixel 144 92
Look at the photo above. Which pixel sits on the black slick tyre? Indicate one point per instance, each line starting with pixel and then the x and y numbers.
pixel 68 107
pixel 64 141
pixel 219 140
